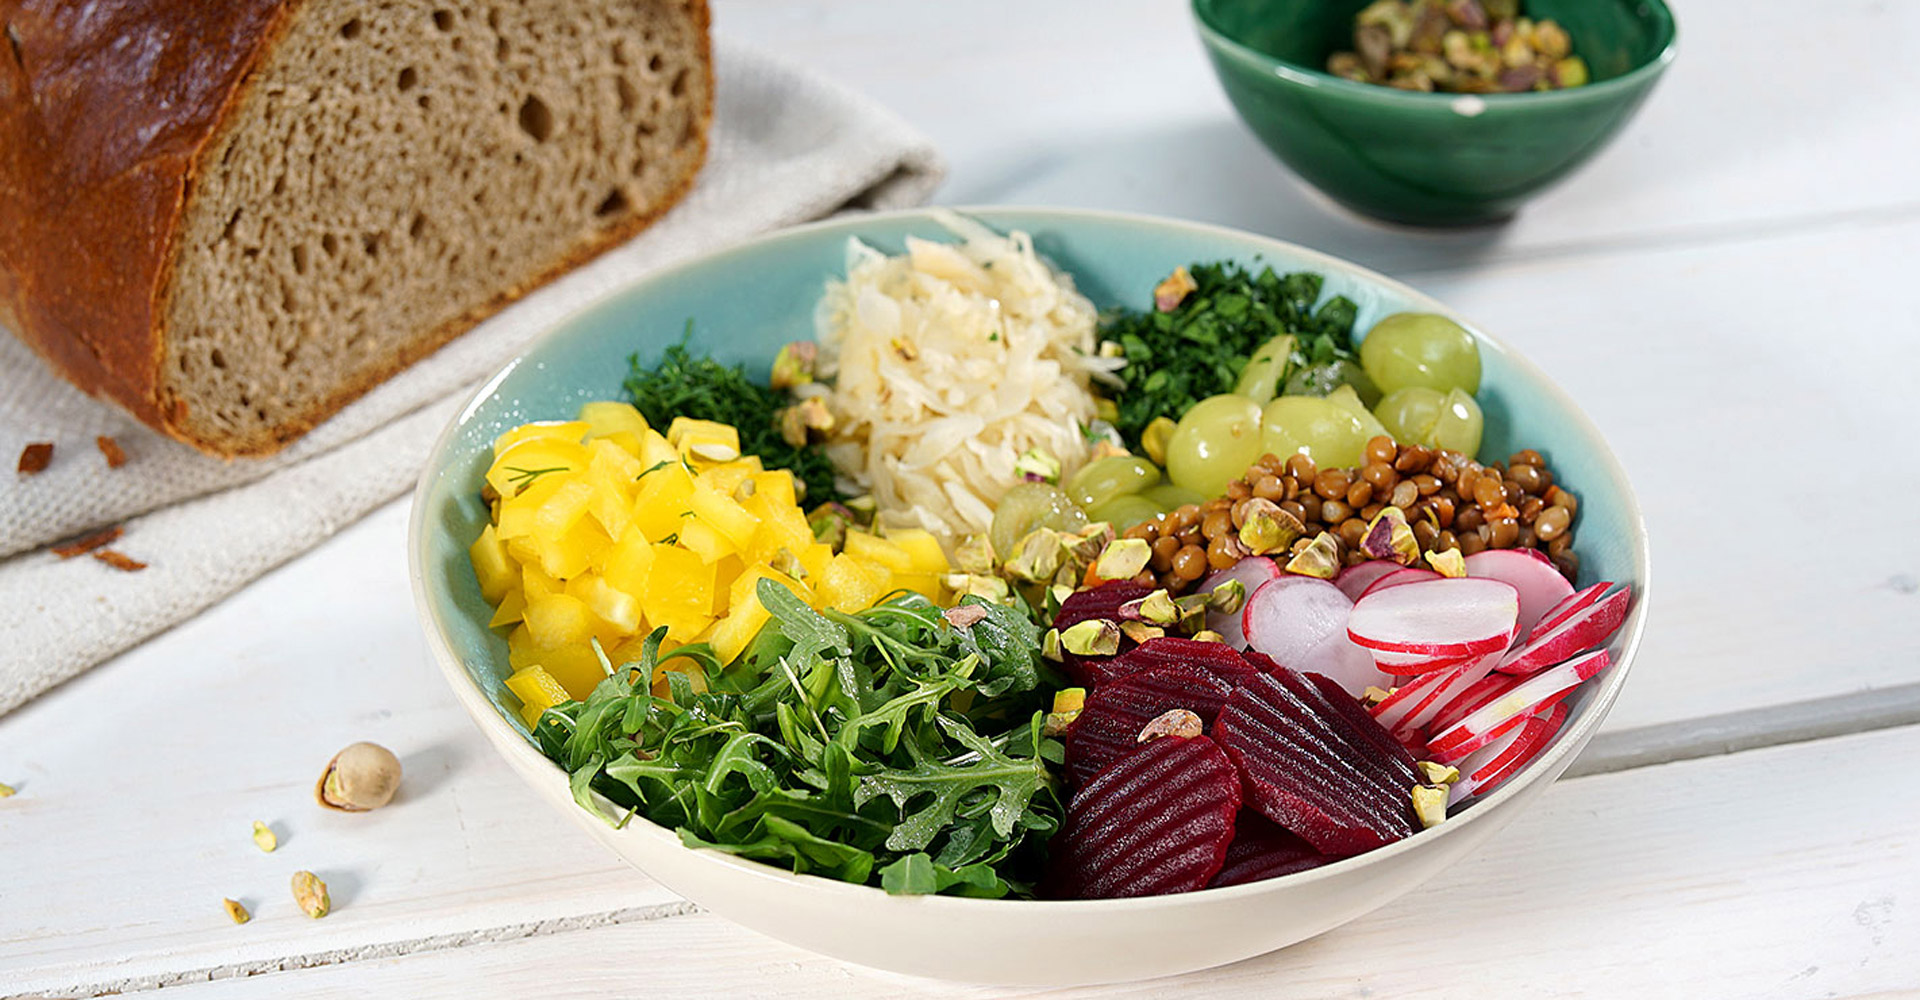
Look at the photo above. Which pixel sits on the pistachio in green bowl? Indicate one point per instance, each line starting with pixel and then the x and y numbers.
pixel 1436 159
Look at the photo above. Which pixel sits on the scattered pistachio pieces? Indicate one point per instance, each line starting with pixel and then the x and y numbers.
pixel 1050 645
pixel 1320 558
pixel 1154 439
pixel 363 776
pixel 1430 804
pixel 1168 294
pixel 1140 631
pixel 1266 528
pixel 1067 703
pixel 1390 537
pixel 1037 465
pixel 964 615
pixel 1208 635
pixel 6 790
pixel 1094 637
pixel 263 837
pixel 311 894
pixel 1438 774
pixel 1373 696
pixel 1174 722
pixel 1156 608
pixel 236 912
pixel 1449 563
pixel 1227 598
pixel 794 364
pixel 975 555
pixel 1123 559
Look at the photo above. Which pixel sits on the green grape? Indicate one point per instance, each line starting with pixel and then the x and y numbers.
pixel 1421 349
pixel 1325 379
pixel 1125 511
pixel 1116 475
pixel 1409 414
pixel 1275 440
pixel 1028 506
pixel 1348 399
pixel 1169 496
pixel 1214 443
pixel 1325 431
pixel 1459 424
pixel 1260 379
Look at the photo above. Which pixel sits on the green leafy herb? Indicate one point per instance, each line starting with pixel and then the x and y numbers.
pixel 524 478
pixel 682 385
pixel 836 745
pixel 1176 359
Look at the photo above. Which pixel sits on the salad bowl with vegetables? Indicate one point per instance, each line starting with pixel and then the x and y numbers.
pixel 1029 596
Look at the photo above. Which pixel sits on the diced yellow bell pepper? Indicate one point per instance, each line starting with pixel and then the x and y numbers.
pixel 725 572
pixel 615 607
pixel 575 667
pixel 562 511
pixel 555 620
pixel 776 485
pixel 607 418
pixel 655 450
pixel 727 476
pixel 662 499
pixel 512 604
pixel 927 585
pixel 679 591
pixel 534 582
pixel 850 584
pixel 924 554
pixel 782 526
pixel 564 430
pixel 626 563
pixel 574 552
pixel 611 473
pixel 747 585
pixel 874 549
pixel 723 513
pixel 627 441
pixel 518 511
pixel 537 689
pixel 704 441
pixel 732 634
pixel 704 540
pixel 814 559
pixel 533 460
pixel 496 569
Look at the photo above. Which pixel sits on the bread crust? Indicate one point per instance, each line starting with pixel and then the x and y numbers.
pixel 107 110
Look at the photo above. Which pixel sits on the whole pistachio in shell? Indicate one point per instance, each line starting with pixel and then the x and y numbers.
pixel 364 776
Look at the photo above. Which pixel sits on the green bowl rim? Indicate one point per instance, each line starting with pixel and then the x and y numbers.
pixel 1306 76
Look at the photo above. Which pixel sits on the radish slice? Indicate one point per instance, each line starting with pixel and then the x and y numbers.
pixel 1457 680
pixel 1485 690
pixel 1412 705
pixel 1492 720
pixel 1539 583
pixel 1347 664
pixel 1252 572
pixel 1412 664
pixel 1584 629
pixel 1300 622
pixel 1399 577
pixel 1568 608
pixel 1354 580
pixel 1439 618
pixel 1489 766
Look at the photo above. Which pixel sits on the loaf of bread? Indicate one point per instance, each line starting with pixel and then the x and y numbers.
pixel 232 217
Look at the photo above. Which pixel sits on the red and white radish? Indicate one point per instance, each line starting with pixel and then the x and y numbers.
pixel 1347 664
pixel 1296 620
pixel 1412 706
pixel 1400 577
pixel 1354 580
pixel 1492 720
pixel 1537 581
pixel 1412 664
pixel 1252 572
pixel 1479 693
pixel 1575 603
pixel 1439 618
pixel 1584 629
pixel 1486 768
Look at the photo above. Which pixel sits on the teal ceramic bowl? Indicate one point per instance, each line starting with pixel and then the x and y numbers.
pixel 1428 159
pixel 745 302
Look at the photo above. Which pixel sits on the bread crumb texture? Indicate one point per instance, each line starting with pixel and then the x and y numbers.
pixel 395 172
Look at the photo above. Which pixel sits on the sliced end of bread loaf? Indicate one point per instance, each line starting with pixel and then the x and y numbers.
pixel 394 173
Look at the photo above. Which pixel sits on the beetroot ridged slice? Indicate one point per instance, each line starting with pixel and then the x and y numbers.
pixel 1262 849
pixel 1311 767
pixel 1103 601
pixel 1153 822
pixel 1110 722
pixel 1216 658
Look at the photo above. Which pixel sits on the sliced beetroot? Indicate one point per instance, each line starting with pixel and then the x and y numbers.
pixel 1400 577
pixel 1252 572
pixel 1538 582
pixel 1578 601
pixel 1262 850
pixel 1535 692
pixel 1216 658
pixel 1310 768
pixel 1438 618
pixel 1354 580
pixel 1585 629
pixel 1109 724
pixel 1103 601
pixel 1486 768
pixel 1156 821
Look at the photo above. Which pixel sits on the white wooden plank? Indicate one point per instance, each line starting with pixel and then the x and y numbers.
pixel 1111 104
pixel 1787 872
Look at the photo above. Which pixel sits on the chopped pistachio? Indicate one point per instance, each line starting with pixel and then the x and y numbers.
pixel 830 522
pixel 794 364
pixel 236 912
pixel 1085 545
pixel 713 451
pixel 863 508
pixel 1037 465
pixel 1174 722
pixel 1208 635
pixel 1140 631
pixel 1430 804
pixel 6 790
pixel 1193 612
pixel 1107 449
pixel 1069 699
pixel 1123 559
pixel 311 894
pixel 1449 563
pixel 1227 598
pixel 264 838
pixel 1112 349
pixel 964 615
pixel 1168 294
pixel 987 588
pixel 1438 774
pixel 1373 696
pixel 1094 637
pixel 1056 596
pixel 1157 608
pixel 1321 558
pixel 1266 527
pixel 1036 557
pixel 359 778
pixel 786 562
pixel 975 555
pixel 1569 72
pixel 1050 645
pixel 1389 536
pixel 1056 723
pixel 1153 440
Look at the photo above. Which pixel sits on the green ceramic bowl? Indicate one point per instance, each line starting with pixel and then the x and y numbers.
pixel 1428 159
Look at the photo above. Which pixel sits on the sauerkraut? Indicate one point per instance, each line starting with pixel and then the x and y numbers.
pixel 948 362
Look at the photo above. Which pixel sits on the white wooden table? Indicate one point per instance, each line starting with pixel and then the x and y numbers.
pixel 1730 291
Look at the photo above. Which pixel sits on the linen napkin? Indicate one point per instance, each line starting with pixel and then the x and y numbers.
pixel 786 146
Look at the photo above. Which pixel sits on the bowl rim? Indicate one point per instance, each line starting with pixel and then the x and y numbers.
pixel 1306 76
pixel 533 766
